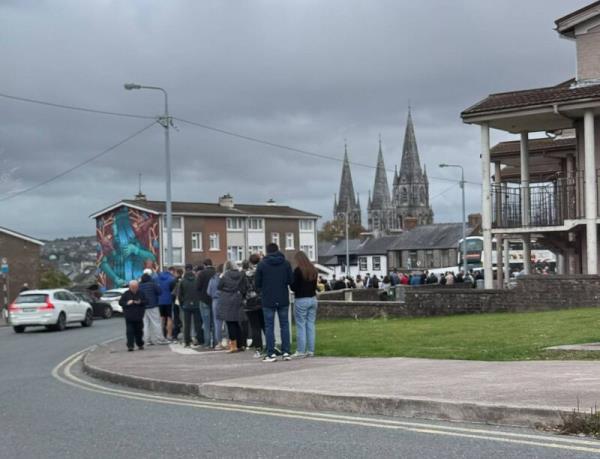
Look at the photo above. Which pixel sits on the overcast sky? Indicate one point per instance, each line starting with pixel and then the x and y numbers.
pixel 307 74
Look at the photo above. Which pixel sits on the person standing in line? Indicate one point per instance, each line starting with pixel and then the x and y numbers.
pixel 214 294
pixel 253 306
pixel 152 329
pixel 233 288
pixel 304 286
pixel 205 302
pixel 189 300
pixel 273 277
pixel 166 282
pixel 133 303
pixel 177 322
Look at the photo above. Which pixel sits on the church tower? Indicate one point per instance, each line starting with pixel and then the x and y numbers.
pixel 382 219
pixel 347 200
pixel 411 185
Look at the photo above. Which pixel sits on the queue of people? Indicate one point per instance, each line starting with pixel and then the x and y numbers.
pixel 225 308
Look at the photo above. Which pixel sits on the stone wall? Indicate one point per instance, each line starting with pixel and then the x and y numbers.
pixel 533 293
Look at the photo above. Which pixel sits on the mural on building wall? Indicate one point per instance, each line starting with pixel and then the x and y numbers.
pixel 126 238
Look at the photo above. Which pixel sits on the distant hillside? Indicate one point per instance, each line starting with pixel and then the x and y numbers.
pixel 73 256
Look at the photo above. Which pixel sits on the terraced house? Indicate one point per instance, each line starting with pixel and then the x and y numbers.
pixel 133 231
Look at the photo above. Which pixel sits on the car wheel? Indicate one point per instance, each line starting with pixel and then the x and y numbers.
pixel 19 328
pixel 89 319
pixel 61 323
pixel 107 314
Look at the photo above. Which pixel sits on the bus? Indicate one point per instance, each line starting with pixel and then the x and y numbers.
pixel 540 257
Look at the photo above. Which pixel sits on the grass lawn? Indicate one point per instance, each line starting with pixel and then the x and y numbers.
pixel 472 337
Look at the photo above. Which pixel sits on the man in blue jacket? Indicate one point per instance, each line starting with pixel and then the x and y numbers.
pixel 166 282
pixel 272 278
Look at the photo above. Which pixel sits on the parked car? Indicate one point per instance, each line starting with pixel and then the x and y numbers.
pixel 112 297
pixel 101 308
pixel 53 309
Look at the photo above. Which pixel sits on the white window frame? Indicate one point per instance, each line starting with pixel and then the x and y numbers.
pixel 309 250
pixel 176 226
pixel 256 224
pixel 214 237
pixel 289 246
pixel 307 226
pixel 196 241
pixel 235 224
pixel 376 263
pixel 177 255
pixel 256 249
pixel 275 238
pixel 363 264
pixel 239 253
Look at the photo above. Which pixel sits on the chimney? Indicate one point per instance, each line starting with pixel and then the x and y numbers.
pixel 226 201
pixel 410 223
pixel 140 197
pixel 474 220
pixel 271 202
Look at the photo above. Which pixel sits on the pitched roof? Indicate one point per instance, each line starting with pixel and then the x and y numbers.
pixel 563 28
pixel 550 95
pixel 377 246
pixel 410 166
pixel 381 190
pixel 434 236
pixel 201 208
pixel 338 248
pixel 20 236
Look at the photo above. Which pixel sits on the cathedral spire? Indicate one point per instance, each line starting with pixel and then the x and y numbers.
pixel 381 190
pixel 410 166
pixel 346 199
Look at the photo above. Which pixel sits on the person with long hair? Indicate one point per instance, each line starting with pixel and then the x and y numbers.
pixel 304 286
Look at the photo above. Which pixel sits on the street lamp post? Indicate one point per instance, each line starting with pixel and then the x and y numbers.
pixel 464 217
pixel 165 122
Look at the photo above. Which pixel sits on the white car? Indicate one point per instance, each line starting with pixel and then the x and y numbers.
pixel 53 309
pixel 112 297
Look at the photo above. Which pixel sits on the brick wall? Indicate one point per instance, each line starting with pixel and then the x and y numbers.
pixel 24 264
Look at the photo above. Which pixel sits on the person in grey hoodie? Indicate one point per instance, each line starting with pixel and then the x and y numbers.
pixel 232 288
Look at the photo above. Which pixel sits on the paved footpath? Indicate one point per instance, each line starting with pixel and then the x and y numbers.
pixel 513 393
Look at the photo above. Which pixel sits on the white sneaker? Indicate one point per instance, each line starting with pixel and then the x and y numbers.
pixel 298 355
pixel 286 356
pixel 270 358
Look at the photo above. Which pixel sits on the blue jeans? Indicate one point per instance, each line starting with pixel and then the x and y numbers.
pixel 205 313
pixel 218 323
pixel 282 313
pixel 305 313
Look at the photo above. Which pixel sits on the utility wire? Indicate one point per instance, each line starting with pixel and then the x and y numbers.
pixel 294 149
pixel 437 195
pixel 77 166
pixel 74 107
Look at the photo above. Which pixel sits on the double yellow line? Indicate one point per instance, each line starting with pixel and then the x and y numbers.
pixel 63 372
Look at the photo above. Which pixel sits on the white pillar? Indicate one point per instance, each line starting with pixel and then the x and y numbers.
pixel 506 260
pixel 526 253
pixel 560 263
pixel 486 207
pixel 498 213
pixel 525 208
pixel 591 212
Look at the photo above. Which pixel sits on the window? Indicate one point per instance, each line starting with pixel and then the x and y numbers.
pixel 235 224
pixel 235 253
pixel 309 250
pixel 213 241
pixel 362 264
pixel 196 242
pixel 255 224
pixel 375 221
pixel 376 263
pixel 307 225
pixel 177 255
pixel 256 249
pixel 404 195
pixel 275 238
pixel 289 241
pixel 176 222
pixel 429 259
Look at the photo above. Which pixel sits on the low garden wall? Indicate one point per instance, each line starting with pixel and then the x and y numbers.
pixel 532 293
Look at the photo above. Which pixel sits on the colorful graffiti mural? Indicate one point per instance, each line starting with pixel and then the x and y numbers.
pixel 126 239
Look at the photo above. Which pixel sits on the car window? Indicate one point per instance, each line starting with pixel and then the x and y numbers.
pixel 111 294
pixel 70 296
pixel 59 296
pixel 31 298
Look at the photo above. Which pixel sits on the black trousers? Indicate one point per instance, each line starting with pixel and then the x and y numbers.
pixel 235 332
pixel 192 313
pixel 135 333
pixel 257 325
pixel 177 324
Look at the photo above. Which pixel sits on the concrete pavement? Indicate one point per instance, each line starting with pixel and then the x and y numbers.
pixel 511 393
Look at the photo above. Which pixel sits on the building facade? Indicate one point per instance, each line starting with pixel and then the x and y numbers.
pixel 133 231
pixel 20 258
pixel 559 205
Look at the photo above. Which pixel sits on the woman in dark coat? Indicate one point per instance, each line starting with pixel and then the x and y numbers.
pixel 232 288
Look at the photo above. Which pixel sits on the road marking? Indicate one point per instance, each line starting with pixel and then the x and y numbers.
pixel 554 442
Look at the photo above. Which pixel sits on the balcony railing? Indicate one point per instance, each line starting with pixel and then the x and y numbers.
pixel 550 203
